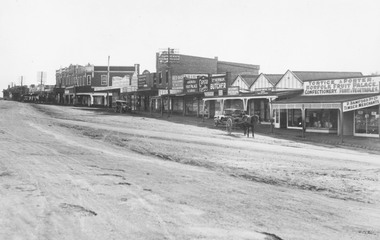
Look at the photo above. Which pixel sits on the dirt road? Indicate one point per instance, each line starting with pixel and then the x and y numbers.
pixel 78 173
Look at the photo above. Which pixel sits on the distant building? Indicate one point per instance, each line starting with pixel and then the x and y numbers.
pixel 93 85
pixel 180 82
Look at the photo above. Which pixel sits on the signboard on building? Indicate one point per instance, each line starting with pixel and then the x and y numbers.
pixel 190 85
pixel 169 56
pixel 163 92
pixel 361 85
pixel 177 82
pixel 209 94
pixel 175 91
pixel 220 92
pixel 361 103
pixel 204 83
pixel 141 82
pixel 120 81
pixel 233 91
pixel 218 82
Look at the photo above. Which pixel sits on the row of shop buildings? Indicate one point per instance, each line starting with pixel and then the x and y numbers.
pixel 330 102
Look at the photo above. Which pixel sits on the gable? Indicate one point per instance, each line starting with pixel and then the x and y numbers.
pixel 261 83
pixel 289 81
pixel 239 82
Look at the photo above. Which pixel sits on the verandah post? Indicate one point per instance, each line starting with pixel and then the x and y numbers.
pixel 341 123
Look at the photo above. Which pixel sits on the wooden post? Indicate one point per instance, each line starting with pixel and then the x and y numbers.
pixel 271 115
pixel 162 106
pixel 341 123
pixel 203 110
pixel 303 121
pixel 198 107
pixel 184 106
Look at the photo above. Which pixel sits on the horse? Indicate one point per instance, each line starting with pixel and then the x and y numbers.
pixel 249 122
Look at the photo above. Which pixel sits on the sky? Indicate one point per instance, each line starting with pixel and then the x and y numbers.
pixel 300 35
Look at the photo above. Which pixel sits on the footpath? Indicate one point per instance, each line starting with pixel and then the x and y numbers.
pixel 365 143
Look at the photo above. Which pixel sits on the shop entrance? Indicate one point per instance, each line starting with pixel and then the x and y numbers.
pixel 283 118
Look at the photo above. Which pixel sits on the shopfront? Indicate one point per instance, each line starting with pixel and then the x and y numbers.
pixel 348 106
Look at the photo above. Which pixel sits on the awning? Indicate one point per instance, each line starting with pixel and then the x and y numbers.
pixel 106 89
pixel 248 96
pixel 349 102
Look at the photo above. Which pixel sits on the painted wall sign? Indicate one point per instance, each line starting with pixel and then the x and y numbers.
pixel 361 85
pixel 361 103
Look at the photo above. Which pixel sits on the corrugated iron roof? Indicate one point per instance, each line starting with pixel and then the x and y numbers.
pixel 325 98
pixel 314 75
pixel 273 78
pixel 249 78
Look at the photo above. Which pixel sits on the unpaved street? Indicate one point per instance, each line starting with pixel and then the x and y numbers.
pixel 78 173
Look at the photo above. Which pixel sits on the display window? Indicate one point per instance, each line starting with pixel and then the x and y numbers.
pixel 322 119
pixel 294 118
pixel 367 121
pixel 262 109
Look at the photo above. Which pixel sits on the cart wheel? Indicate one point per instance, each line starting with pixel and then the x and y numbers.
pixel 229 126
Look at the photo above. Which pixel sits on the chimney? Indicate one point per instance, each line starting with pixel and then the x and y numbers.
pixel 228 79
pixel 137 69
pixel 216 58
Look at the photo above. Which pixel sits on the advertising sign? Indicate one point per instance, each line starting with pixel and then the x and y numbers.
pixel 177 82
pixel 175 91
pixel 217 83
pixel 204 84
pixel 209 94
pixel 191 85
pixel 142 81
pixel 163 92
pixel 170 56
pixel 233 91
pixel 361 85
pixel 361 103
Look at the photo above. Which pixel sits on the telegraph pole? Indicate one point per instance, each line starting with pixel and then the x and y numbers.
pixel 22 88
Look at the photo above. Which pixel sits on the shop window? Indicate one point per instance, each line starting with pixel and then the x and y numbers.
pixel 322 119
pixel 234 103
pixel 367 120
pixel 262 109
pixel 294 118
pixel 88 80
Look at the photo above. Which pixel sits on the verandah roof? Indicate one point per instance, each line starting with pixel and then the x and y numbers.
pixel 318 102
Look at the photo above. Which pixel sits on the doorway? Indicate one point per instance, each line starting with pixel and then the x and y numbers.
pixel 283 118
